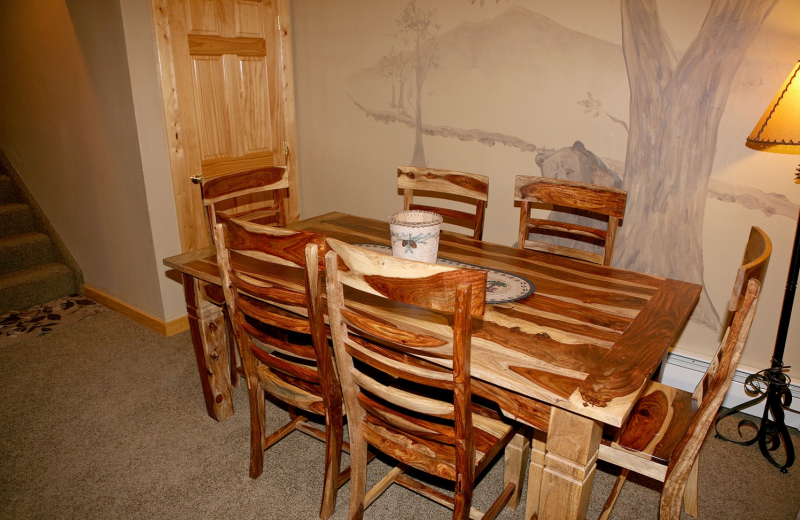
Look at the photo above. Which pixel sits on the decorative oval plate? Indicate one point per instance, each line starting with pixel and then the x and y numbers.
pixel 501 287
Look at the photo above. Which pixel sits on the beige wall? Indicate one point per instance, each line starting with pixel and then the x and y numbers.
pixel 137 18
pixel 497 75
pixel 68 123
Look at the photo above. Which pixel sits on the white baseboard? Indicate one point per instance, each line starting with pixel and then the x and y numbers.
pixel 684 372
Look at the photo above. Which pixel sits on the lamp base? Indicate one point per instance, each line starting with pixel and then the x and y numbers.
pixel 773 385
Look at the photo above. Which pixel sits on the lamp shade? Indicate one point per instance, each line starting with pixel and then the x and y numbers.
pixel 778 130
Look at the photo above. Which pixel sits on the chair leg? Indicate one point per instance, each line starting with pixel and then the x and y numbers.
pixel 516 461
pixel 256 398
pixel 358 474
pixel 333 455
pixel 690 491
pixel 463 499
pixel 234 357
pixel 538 450
pixel 612 498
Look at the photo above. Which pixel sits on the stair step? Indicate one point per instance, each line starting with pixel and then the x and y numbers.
pixel 15 218
pixel 23 251
pixel 7 189
pixel 24 289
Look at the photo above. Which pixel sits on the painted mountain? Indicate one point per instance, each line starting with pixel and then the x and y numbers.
pixel 520 63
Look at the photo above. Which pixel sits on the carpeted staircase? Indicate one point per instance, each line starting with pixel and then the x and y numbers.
pixel 35 266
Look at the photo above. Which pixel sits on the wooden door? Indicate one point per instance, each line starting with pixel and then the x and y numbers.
pixel 226 79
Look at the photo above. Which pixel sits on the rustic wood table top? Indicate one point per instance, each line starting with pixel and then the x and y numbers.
pixel 586 341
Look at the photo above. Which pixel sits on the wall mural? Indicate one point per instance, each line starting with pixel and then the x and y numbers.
pixel 670 150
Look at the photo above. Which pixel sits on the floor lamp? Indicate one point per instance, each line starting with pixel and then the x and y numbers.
pixel 777 131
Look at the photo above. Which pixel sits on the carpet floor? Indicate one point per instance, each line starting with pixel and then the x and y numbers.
pixel 105 419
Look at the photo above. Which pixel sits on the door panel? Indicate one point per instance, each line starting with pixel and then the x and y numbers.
pixel 226 87
pixel 212 113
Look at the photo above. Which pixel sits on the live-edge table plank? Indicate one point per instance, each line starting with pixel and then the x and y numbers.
pixel 584 343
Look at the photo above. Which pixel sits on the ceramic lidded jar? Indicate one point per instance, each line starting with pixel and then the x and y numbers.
pixel 415 235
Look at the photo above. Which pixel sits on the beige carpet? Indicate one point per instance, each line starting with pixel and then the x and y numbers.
pixel 105 419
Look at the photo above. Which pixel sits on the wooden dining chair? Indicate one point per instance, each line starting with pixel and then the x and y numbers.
pixel 226 193
pixel 282 337
pixel 600 201
pixel 462 184
pixel 231 194
pixel 420 413
pixel 666 428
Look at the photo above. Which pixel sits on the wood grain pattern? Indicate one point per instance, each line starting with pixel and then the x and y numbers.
pixel 624 368
pixel 427 285
pixel 469 185
pixel 217 46
pixel 283 110
pixel 598 199
pixel 243 183
pixel 270 244
pixel 444 181
pixel 225 165
pixel 210 348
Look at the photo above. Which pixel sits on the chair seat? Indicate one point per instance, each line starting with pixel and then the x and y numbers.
pixel 656 425
pixel 431 448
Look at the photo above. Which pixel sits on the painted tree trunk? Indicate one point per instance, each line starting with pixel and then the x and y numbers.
pixel 675 111
pixel 418 158
pixel 400 102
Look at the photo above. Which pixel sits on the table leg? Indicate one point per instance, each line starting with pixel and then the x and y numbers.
pixel 209 336
pixel 569 465
pixel 535 471
pixel 516 457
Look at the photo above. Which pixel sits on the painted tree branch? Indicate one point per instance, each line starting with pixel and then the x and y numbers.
pixel 474 134
pixel 675 110
pixel 752 198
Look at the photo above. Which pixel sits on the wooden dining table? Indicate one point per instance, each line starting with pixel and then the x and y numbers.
pixel 568 360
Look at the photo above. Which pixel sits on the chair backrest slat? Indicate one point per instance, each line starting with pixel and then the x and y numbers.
pixel 244 183
pixel 270 244
pixel 295 370
pixel 220 193
pixel 397 364
pixel 754 265
pixel 268 293
pixel 272 342
pixel 416 403
pixel 261 313
pixel 444 181
pixel 605 202
pixel 384 332
pixel 422 428
pixel 470 185
pixel 426 285
pixel 571 194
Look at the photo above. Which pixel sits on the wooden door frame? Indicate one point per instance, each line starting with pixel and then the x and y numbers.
pixel 188 199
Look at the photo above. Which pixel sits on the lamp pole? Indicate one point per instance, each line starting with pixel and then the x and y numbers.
pixel 772 384
pixel 777 131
